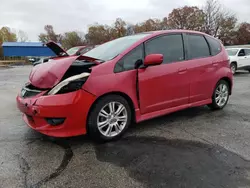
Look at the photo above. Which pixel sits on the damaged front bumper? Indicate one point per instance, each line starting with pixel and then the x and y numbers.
pixel 62 115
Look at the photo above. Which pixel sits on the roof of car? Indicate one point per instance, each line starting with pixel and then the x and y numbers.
pixel 172 31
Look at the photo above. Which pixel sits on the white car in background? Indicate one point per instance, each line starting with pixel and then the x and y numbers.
pixel 239 58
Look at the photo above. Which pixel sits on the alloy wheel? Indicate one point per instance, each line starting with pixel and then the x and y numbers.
pixel 112 119
pixel 221 95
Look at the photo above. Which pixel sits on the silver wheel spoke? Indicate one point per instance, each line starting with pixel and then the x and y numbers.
pixel 217 99
pixel 108 131
pixel 217 92
pixel 103 113
pixel 122 118
pixel 221 87
pixel 119 110
pixel 112 107
pixel 224 88
pixel 103 124
pixel 220 102
pixel 117 127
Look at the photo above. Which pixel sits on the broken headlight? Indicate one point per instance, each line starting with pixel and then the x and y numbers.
pixel 71 84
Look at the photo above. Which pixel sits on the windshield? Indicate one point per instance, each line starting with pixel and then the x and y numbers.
pixel 111 49
pixel 73 50
pixel 232 52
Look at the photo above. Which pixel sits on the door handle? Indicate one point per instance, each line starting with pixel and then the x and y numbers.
pixel 182 70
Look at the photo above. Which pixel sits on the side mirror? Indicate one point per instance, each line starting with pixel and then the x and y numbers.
pixel 78 53
pixel 153 59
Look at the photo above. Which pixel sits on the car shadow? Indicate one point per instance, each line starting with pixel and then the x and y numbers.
pixel 158 162
pixel 241 74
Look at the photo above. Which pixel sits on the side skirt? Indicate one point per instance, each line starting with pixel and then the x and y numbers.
pixel 151 115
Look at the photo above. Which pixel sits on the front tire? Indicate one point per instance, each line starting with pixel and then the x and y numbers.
pixel 220 95
pixel 109 118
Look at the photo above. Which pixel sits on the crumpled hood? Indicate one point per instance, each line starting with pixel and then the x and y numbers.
pixel 47 75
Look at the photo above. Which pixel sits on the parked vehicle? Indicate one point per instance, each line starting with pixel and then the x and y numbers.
pixel 60 52
pixel 239 58
pixel 129 79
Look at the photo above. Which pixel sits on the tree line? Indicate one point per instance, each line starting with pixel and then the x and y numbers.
pixel 212 19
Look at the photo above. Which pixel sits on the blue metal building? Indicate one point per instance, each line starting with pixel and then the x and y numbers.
pixel 26 49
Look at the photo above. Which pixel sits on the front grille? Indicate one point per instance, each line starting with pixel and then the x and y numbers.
pixel 26 92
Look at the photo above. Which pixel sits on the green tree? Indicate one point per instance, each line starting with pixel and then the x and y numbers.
pixel 73 38
pixel 119 28
pixel 191 18
pixel 242 34
pixel 98 34
pixel 6 36
pixel 50 35
pixel 150 25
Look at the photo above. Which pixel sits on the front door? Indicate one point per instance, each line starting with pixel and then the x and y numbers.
pixel 166 85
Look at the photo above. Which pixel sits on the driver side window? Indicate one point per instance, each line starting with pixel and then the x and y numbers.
pixel 242 53
pixel 129 60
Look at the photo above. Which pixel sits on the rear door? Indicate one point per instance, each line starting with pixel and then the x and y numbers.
pixel 166 85
pixel 202 67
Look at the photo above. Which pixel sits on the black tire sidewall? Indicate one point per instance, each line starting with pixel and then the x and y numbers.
pixel 214 104
pixel 92 128
pixel 233 64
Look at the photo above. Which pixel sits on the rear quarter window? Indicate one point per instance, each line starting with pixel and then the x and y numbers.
pixel 215 45
pixel 197 46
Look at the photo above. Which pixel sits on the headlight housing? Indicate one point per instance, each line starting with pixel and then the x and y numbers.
pixel 70 84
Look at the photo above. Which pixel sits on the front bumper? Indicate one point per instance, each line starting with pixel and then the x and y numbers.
pixel 74 107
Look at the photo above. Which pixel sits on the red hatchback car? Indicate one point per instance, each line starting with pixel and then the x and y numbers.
pixel 129 79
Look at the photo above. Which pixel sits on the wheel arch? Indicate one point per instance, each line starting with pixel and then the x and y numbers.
pixel 124 95
pixel 235 62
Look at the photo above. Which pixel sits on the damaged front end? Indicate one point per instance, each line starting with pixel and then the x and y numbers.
pixel 59 77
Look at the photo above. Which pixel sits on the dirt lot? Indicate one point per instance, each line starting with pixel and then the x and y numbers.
pixel 192 148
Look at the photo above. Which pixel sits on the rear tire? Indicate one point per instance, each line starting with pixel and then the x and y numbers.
pixel 220 95
pixel 233 67
pixel 109 118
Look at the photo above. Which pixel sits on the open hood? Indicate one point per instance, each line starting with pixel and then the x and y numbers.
pixel 47 75
pixel 58 50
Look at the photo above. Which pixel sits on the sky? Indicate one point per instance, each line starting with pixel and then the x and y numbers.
pixel 65 15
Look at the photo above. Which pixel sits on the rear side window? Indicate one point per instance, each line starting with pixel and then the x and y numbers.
pixel 170 46
pixel 198 47
pixel 247 51
pixel 214 44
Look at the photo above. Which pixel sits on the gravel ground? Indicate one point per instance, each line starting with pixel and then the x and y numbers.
pixel 192 148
